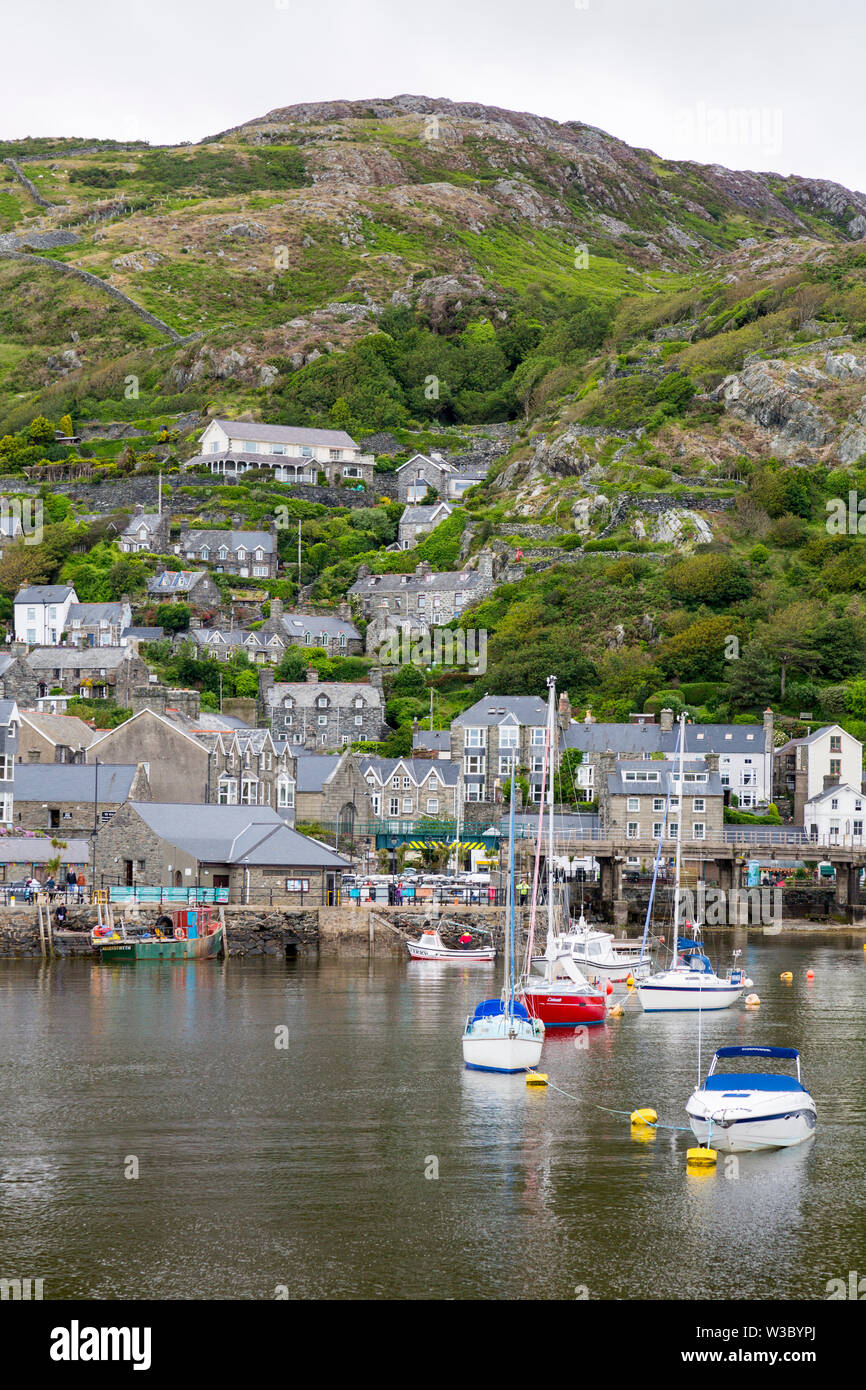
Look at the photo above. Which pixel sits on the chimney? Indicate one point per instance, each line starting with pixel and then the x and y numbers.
pixel 589 717
pixel 276 609
pixel 564 712
pixel 312 676
pixel 423 569
pixel 712 762
pixel 666 720
pixel 768 730
pixel 830 781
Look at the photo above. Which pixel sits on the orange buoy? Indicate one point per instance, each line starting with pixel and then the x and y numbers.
pixel 609 988
pixel 810 974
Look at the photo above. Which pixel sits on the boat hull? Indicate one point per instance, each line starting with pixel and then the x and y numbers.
pixel 166 948
pixel 783 1120
pixel 680 996
pixel 441 953
pixel 502 1054
pixel 562 1009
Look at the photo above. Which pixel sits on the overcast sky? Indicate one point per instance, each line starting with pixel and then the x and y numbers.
pixel 752 84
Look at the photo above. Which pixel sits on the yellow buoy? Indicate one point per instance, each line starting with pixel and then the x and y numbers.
pixel 536 1078
pixel 752 1001
pixel 701 1158
pixel 645 1118
pixel 787 976
pixel 629 982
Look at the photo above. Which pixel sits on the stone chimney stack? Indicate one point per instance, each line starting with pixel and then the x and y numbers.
pixel 666 720
pixel 712 762
pixel 564 711
pixel 768 730
pixel 312 676
pixel 589 717
pixel 276 609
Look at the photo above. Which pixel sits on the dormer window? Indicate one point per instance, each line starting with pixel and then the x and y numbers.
pixel 223 553
pixel 205 552
pixel 322 702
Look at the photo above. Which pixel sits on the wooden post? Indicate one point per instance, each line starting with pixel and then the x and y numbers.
pixel 41 927
pixel 225 932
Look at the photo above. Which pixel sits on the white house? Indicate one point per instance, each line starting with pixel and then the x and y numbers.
pixel 295 455
pixel 41 613
pixel 835 816
pixel 806 767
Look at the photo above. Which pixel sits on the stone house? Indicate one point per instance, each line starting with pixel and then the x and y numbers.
pixel 412 789
pixel 419 521
pixel 337 635
pixel 806 767
pixel 423 474
pixel 98 624
pixel 10 722
pixel 41 611
pixel 53 738
pixel 490 736
pixel 73 798
pixel 296 455
pixel 17 680
pixel 25 856
pixel 147 531
pixel 250 851
pixel 95 673
pixel 425 599
pixel 332 792
pixel 193 587
pixel 323 716
pixel 188 763
pixel 632 794
pixel 245 553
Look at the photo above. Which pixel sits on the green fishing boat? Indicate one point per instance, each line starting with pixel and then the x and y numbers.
pixel 186 933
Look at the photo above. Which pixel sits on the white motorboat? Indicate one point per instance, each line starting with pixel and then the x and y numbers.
pixel 743 1111
pixel 691 984
pixel 430 946
pixel 600 956
pixel 500 1035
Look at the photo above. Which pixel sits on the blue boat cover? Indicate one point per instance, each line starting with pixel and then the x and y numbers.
pixel 790 1052
pixel 492 1008
pixel 700 964
pixel 751 1081
pixel 684 944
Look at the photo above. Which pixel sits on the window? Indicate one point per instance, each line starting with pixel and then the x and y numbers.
pixel 359 719
pixel 835 767
pixel 408 805
pixel 509 736
pixel 228 791
pixel 432 805
pixel 249 792
pixel 858 828
pixel 393 806
pixel 835 739
pixel 657 829
pixel 505 765
pixel 632 830
pixel 698 805
pixel 7 764
pixel 285 792
pixel 473 792
pixel 322 719
pixel 673 829
pixel 658 803
pixel 474 764
pixel 633 803
pixel 536 736
pixel 698 830
pixel 834 803
pixel 640 777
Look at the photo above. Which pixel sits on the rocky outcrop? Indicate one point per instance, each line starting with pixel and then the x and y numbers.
pixel 772 395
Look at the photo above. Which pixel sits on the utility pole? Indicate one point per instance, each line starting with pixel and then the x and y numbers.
pixel 95 823
pixel 299 559
pixel 431 709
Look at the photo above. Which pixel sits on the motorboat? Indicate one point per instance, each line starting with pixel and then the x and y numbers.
pixel 744 1111
pixel 690 984
pixel 430 946
pixel 600 955
pixel 500 1035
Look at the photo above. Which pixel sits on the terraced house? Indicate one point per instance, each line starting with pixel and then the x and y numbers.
pixel 98 624
pixel 245 553
pixel 337 635
pixel 633 793
pixel 193 587
pixel 491 736
pixel 412 788
pixel 94 673
pixel 296 455
pixel 323 716
pixel 427 598
pixel 10 721
pixel 147 531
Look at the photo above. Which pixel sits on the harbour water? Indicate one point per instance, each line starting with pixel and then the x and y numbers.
pixel 287 1123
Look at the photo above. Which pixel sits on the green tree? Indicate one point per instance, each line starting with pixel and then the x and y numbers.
pixel 174 617
pixel 41 430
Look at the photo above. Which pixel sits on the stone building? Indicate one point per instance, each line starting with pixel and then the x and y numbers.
pixel 493 734
pixel 394 603
pixel 412 789
pixel 9 726
pixel 98 624
pixel 418 521
pixel 53 738
pixel 632 794
pixel 337 635
pixel 250 851
pixel 17 679
pixel 245 553
pixel 193 587
pixel 323 716
pixel 190 763
pixel 94 673
pixel 423 476
pixel 332 792
pixel 147 531
pixel 73 798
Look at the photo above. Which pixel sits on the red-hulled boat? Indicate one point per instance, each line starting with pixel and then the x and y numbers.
pixel 562 997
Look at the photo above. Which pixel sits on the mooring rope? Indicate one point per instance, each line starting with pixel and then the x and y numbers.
pixel 651 1124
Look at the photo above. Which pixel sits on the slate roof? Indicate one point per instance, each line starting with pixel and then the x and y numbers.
pixel 419 769
pixel 667 770
pixel 285 434
pixel 95 612
pixel 425 458
pixel 298 623
pixel 44 593
pixel 65 729
pixel 77 658
pixel 436 740
pixel 149 520
pixel 20 849
pixel 235 835
pixel 143 634
pixel 495 709
pixel 418 516
pixel 7 710
pixel 649 738
pixel 232 540
pixel 305 693
pixel 825 795
pixel 314 770
pixel 73 781
pixel 402 583
pixel 174 581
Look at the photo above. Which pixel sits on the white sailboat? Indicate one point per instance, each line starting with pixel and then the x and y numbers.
pixel 500 1035
pixel 690 984
pixel 600 955
pixel 744 1111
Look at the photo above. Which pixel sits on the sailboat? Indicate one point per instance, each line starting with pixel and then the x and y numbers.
pixel 553 987
pixel 690 983
pixel 500 1035
pixel 601 955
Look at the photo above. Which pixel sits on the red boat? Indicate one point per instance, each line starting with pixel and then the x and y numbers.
pixel 563 1003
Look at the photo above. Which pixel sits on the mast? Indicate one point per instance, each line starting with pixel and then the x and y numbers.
pixel 680 807
pixel 551 714
pixel 509 948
